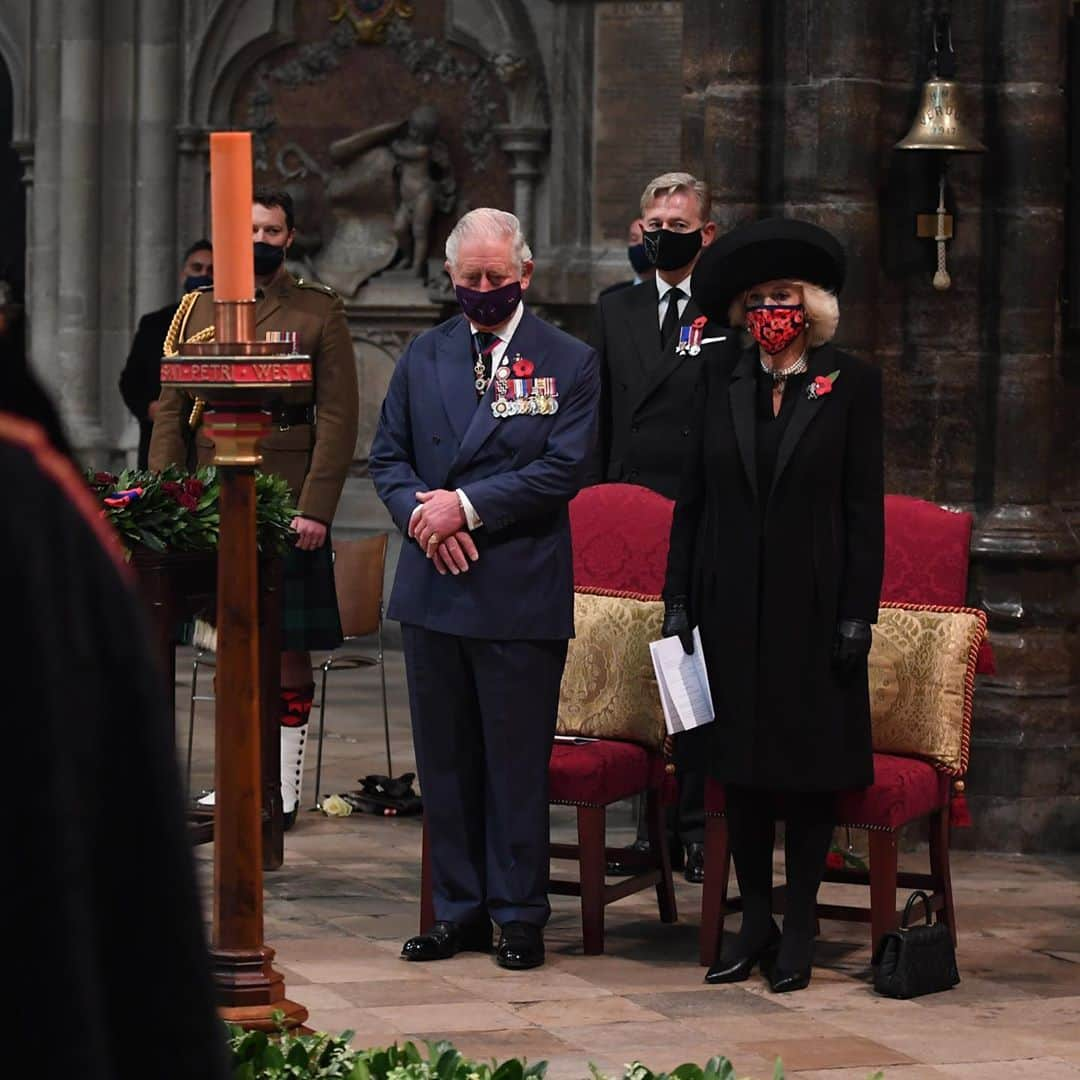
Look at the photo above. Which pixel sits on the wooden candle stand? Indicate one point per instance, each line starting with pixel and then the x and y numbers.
pixel 237 378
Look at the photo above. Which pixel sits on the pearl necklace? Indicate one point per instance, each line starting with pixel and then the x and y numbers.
pixel 780 377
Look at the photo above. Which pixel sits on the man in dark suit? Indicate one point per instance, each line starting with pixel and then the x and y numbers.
pixel 650 362
pixel 482 441
pixel 140 381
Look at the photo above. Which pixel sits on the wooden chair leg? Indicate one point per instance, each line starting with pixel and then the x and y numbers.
pixel 591 822
pixel 427 898
pixel 658 842
pixel 883 868
pixel 939 866
pixel 714 890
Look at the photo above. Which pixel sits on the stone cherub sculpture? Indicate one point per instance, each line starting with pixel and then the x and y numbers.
pixel 382 194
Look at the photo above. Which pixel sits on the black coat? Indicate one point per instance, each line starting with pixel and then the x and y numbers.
pixel 140 381
pixel 102 897
pixel 646 395
pixel 767 588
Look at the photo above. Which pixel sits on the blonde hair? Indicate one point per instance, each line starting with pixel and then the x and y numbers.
pixel 671 183
pixel 494 224
pixel 821 307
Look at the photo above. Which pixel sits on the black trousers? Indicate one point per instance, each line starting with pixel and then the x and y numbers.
pixel 483 718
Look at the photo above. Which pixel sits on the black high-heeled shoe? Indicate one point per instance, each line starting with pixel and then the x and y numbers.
pixel 784 982
pixel 738 968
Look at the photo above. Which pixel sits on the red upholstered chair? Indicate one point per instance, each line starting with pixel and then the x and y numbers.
pixel 620 542
pixel 926 563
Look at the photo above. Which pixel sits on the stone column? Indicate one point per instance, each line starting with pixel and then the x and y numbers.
pixel 525 146
pixel 157 106
pixel 1025 774
pixel 80 237
pixel 722 58
pixel 42 241
pixel 193 182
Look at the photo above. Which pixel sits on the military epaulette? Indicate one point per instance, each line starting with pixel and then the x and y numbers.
pixel 318 285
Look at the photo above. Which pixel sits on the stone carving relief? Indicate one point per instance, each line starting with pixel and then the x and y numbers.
pixel 380 197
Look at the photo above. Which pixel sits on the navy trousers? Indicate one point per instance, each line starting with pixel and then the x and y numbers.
pixel 483 718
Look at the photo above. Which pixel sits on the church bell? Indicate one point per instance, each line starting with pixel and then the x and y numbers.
pixel 939 123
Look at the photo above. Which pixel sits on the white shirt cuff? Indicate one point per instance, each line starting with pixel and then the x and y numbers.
pixel 472 518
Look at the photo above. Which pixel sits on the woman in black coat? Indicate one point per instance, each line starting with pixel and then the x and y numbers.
pixel 776 554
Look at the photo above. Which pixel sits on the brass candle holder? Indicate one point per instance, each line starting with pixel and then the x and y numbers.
pixel 238 378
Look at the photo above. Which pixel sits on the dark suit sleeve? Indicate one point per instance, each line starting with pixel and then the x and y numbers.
pixel 690 504
pixel 596 471
pixel 555 477
pixel 864 502
pixel 139 381
pixel 391 460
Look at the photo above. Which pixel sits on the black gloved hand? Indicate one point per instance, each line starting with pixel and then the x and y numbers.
pixel 851 645
pixel 677 623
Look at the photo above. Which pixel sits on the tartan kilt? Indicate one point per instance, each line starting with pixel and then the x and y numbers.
pixel 310 619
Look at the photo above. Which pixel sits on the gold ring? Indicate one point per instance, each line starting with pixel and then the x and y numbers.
pixel 433 539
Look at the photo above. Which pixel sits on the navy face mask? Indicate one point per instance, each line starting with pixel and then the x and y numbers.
pixel 197 281
pixel 639 258
pixel 490 308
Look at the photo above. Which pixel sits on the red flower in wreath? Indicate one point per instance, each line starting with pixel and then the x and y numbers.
pixel 523 368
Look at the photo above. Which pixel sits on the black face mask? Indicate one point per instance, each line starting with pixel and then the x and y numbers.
pixel 197 281
pixel 268 257
pixel 671 250
pixel 639 258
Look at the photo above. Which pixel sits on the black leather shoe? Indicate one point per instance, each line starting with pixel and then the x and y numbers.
pixel 446 939
pixel 695 863
pixel 738 968
pixel 784 982
pixel 521 946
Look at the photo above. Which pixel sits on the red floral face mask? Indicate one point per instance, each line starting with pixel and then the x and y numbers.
pixel 775 326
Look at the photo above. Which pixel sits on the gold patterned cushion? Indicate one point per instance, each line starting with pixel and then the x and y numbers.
pixel 922 679
pixel 609 690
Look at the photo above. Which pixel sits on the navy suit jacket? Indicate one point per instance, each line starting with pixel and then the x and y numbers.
pixel 519 473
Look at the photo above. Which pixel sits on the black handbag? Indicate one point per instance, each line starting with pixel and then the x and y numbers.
pixel 915 960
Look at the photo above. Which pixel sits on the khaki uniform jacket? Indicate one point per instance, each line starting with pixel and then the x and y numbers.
pixel 313 459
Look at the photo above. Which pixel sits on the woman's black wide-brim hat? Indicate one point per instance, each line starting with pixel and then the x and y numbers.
pixel 765 251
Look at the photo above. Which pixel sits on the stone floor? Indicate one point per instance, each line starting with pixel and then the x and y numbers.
pixel 338 910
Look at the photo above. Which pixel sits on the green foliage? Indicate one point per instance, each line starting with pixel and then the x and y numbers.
pixel 291 1056
pixel 178 511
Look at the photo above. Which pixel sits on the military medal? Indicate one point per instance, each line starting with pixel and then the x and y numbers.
pixel 519 393
pixel 690 337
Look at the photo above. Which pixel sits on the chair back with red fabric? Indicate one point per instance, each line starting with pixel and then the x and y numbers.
pixel 620 536
pixel 927 551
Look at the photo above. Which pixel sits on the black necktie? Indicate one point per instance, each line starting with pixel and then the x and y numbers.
pixel 671 317
pixel 485 344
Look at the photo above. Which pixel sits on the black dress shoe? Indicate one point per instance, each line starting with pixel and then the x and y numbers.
pixel 738 968
pixel 446 939
pixel 695 863
pixel 521 946
pixel 784 982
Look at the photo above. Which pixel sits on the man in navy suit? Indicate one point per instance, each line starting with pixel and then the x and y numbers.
pixel 482 441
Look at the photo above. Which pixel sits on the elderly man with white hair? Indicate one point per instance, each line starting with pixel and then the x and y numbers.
pixel 483 440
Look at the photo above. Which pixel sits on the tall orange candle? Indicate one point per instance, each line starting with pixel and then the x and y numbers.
pixel 230 209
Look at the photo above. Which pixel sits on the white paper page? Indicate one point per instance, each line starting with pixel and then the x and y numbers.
pixel 683 682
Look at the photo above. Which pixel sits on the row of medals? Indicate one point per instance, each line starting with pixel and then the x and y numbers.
pixel 536 404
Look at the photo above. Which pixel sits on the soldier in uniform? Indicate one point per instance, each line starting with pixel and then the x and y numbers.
pixel 311 446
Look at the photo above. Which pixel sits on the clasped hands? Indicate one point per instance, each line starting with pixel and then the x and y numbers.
pixel 438 526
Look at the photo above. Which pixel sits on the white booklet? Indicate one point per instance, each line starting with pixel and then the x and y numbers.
pixel 683 682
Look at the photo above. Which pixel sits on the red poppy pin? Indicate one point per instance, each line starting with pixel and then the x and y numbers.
pixel 522 368
pixel 699 322
pixel 821 385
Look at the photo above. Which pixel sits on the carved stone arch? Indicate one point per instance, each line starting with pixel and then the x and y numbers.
pixel 502 32
pixel 237 35
pixel 14 53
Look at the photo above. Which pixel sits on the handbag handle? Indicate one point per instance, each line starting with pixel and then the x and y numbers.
pixel 916 895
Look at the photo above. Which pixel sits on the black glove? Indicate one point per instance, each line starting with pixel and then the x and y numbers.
pixel 677 623
pixel 851 646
